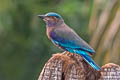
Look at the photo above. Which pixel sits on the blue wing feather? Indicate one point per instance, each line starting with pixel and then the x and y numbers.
pixel 84 54
pixel 70 42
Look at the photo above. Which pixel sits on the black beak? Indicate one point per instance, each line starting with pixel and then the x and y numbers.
pixel 41 16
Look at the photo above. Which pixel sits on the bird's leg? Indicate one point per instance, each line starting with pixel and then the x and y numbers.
pixel 64 52
pixel 68 53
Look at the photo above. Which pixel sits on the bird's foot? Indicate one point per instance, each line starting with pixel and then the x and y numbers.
pixel 64 52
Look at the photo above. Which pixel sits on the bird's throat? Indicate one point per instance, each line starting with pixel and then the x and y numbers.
pixel 51 24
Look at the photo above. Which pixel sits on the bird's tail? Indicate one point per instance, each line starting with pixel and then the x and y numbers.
pixel 90 61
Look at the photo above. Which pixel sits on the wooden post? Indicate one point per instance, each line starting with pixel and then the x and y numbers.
pixel 68 66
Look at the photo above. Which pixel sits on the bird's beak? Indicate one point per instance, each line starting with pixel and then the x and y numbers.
pixel 41 16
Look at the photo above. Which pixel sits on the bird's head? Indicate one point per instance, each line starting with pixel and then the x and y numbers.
pixel 52 19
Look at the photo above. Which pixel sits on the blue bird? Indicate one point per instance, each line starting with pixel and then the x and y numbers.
pixel 66 38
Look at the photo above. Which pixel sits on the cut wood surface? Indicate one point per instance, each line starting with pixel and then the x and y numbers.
pixel 68 66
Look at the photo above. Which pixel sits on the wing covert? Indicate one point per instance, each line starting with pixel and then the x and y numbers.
pixel 67 38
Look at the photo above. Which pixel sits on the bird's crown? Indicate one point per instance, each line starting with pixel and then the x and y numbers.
pixel 53 14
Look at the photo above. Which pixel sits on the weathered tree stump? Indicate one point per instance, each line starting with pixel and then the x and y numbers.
pixel 68 66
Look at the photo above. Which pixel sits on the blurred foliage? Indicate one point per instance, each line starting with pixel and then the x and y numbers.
pixel 24 46
pixel 104 27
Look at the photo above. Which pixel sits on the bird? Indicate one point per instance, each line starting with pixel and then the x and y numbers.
pixel 66 38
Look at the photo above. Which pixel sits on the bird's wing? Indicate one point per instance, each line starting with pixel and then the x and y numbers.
pixel 67 38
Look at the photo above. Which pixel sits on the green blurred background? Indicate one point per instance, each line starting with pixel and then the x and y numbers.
pixel 24 46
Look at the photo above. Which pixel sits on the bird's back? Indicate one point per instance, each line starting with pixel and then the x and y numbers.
pixel 66 37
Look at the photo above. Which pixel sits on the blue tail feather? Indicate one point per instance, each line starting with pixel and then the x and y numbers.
pixel 88 59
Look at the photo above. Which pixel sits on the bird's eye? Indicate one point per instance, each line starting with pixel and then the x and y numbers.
pixel 57 16
pixel 54 17
pixel 49 16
